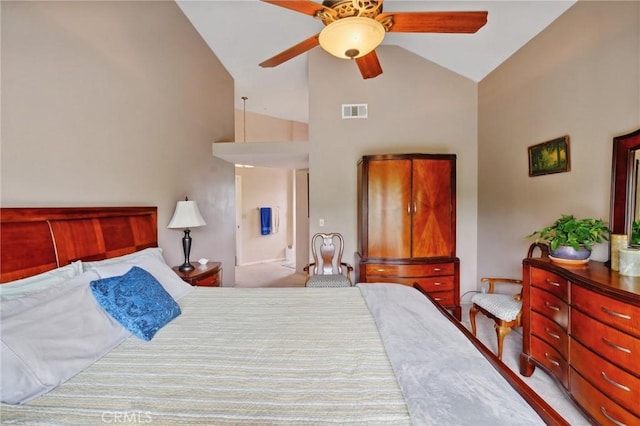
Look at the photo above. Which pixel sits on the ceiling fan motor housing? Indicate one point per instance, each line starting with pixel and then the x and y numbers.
pixel 347 8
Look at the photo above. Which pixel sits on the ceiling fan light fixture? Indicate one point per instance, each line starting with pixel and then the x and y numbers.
pixel 351 37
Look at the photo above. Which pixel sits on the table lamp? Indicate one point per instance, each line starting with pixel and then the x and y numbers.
pixel 186 216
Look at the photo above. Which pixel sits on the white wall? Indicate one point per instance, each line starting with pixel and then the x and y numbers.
pixel 414 106
pixel 264 128
pixel 580 77
pixel 117 103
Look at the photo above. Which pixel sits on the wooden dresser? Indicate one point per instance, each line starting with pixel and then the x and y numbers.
pixel 407 224
pixel 582 324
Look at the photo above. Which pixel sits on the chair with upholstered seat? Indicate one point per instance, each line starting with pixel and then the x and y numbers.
pixel 327 268
pixel 504 309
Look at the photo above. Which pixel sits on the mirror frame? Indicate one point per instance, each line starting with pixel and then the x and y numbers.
pixel 624 148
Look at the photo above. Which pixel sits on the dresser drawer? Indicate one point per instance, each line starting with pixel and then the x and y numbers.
pixel 550 306
pixel 424 270
pixel 620 315
pixel 550 282
pixel 596 403
pixel 548 356
pixel 444 298
pixel 612 344
pixel 551 333
pixel 212 280
pixel 429 284
pixel 614 382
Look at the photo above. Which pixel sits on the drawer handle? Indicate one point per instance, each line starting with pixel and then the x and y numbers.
pixel 615 314
pixel 611 419
pixel 438 283
pixel 438 299
pixel 380 270
pixel 553 283
pixel 614 383
pixel 551 333
pixel 551 360
pixel 437 269
pixel 552 307
pixel 614 346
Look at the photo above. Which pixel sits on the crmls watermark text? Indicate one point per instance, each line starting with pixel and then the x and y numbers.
pixel 118 417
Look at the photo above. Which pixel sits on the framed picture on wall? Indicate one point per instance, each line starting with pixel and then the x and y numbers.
pixel 550 157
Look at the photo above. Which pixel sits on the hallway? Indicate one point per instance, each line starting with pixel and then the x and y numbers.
pixel 268 274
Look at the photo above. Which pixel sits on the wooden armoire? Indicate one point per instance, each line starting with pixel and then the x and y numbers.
pixel 407 224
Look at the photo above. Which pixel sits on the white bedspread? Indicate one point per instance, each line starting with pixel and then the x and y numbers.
pixel 295 356
pixel 238 356
pixel 446 381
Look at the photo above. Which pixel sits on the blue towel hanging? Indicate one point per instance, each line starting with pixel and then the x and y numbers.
pixel 265 220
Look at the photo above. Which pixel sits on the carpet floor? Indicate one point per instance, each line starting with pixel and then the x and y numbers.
pixel 275 274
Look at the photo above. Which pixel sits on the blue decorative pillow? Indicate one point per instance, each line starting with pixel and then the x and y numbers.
pixel 137 301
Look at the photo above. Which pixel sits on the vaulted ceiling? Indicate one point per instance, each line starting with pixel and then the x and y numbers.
pixel 243 33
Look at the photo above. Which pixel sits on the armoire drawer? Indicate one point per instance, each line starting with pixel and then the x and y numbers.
pixel 429 284
pixel 622 316
pixel 550 306
pixel 548 356
pixel 550 282
pixel 550 332
pixel 596 403
pixel 611 380
pixel 423 270
pixel 620 348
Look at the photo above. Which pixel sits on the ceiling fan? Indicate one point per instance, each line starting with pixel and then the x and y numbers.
pixel 354 28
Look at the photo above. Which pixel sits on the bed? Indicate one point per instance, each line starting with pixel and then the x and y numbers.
pixel 370 354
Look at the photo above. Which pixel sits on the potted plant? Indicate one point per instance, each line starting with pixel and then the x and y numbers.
pixel 635 234
pixel 572 239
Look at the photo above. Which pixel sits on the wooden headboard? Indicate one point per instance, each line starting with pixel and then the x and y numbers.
pixel 36 240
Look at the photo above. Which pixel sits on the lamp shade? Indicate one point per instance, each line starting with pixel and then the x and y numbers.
pixel 351 37
pixel 186 215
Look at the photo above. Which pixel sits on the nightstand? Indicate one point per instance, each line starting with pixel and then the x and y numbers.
pixel 209 275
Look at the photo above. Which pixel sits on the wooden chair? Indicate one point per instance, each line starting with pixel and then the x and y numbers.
pixel 327 268
pixel 504 309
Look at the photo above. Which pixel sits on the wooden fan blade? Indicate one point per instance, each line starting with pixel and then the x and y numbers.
pixel 369 65
pixel 436 22
pixel 291 52
pixel 307 7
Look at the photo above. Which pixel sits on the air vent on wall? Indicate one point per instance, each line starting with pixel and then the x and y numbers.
pixel 354 110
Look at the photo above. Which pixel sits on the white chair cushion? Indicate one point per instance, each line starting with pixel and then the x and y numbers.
pixel 502 306
pixel 328 281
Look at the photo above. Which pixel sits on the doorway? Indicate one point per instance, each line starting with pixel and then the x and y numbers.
pixel 238 219
pixel 259 187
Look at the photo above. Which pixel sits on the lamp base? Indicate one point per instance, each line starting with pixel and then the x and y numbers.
pixel 186 247
pixel 186 267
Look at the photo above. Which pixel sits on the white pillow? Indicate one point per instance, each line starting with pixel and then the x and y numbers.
pixel 52 335
pixel 152 262
pixel 22 287
pixel 157 251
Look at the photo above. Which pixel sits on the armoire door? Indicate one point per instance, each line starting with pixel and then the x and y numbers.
pixel 389 209
pixel 432 226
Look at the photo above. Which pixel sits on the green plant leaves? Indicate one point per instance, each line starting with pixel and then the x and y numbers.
pixel 569 231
